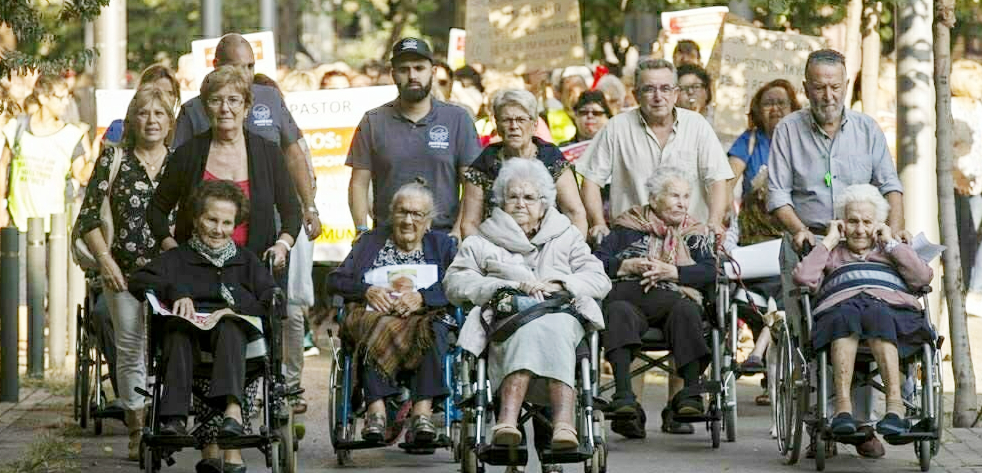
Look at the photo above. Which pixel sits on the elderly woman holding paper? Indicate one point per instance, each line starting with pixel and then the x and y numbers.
pixel 528 246
pixel 398 320
pixel 217 292
pixel 863 278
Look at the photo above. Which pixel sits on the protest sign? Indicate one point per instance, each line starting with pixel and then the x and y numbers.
pixel 534 34
pixel 328 119
pixel 263 47
pixel 457 48
pixel 744 59
pixel 698 24
pixel 476 24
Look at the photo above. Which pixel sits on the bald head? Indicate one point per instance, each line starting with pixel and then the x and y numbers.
pixel 234 50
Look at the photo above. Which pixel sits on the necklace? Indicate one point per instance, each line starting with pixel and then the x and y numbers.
pixel 152 165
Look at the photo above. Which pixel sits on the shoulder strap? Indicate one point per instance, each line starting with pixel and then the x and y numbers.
pixel 117 158
pixel 752 142
pixel 23 121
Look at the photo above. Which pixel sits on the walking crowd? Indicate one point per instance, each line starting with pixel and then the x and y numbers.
pixel 210 210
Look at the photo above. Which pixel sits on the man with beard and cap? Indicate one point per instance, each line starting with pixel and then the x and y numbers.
pixel 270 119
pixel 413 136
pixel 816 153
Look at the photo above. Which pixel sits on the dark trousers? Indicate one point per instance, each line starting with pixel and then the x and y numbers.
pixel 631 312
pixel 181 341
pixel 426 382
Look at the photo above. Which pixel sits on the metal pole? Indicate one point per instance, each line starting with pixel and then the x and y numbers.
pixel 267 16
pixel 35 297
pixel 9 298
pixel 57 291
pixel 110 40
pixel 211 18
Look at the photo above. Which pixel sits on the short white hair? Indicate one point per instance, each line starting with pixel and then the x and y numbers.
pixel 416 188
pixel 862 193
pixel 519 97
pixel 662 176
pixel 524 170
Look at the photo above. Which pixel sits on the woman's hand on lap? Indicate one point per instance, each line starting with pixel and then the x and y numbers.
pixel 184 307
pixel 635 266
pixel 112 276
pixel 378 298
pixel 408 303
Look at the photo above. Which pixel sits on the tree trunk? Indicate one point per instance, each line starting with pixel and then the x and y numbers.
pixel 853 21
pixel 871 58
pixel 961 353
pixel 399 19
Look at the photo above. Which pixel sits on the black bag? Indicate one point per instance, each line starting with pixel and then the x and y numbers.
pixel 512 310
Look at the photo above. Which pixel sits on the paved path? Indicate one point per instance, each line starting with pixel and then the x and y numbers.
pixel 754 450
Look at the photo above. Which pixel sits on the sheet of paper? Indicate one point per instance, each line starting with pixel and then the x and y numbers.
pixel 403 277
pixel 926 250
pixel 756 261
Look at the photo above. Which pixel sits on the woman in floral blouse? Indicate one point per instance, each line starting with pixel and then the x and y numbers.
pixel 148 130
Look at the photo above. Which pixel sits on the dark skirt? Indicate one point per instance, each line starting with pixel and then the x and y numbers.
pixel 870 318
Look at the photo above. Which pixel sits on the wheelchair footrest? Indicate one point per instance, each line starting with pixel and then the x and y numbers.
pixel 359 445
pixel 576 455
pixel 852 439
pixel 242 442
pixel 170 441
pixel 442 441
pixel 922 430
pixel 709 416
pixel 498 455
pixel 117 414
pixel 621 415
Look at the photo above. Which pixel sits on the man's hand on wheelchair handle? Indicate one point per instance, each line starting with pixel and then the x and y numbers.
pixel 802 236
pixel 184 307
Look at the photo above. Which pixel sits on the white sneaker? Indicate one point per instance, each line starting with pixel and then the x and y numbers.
pixel 973 303
pixel 312 351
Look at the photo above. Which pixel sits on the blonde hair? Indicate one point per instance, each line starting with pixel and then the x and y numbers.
pixel 966 79
pixel 145 95
pixel 297 81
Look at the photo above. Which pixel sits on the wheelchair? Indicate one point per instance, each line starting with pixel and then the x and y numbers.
pixel 345 406
pixel 275 438
pixel 91 366
pixel 477 402
pixel 721 332
pixel 803 371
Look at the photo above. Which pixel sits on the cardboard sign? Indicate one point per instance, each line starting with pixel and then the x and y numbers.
pixel 476 23
pixel 263 47
pixel 328 119
pixel 535 34
pixel 698 24
pixel 746 58
pixel 457 48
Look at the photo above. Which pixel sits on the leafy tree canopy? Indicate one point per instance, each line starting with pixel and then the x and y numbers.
pixel 35 25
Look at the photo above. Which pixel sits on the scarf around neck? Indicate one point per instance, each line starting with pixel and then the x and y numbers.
pixel 218 257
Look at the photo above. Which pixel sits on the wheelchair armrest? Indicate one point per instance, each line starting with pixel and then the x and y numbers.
pixel 924 290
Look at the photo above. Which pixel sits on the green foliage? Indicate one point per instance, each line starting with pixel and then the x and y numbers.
pixel 42 29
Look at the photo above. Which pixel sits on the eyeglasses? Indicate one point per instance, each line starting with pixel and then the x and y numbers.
pixel 520 121
pixel 591 113
pixel 415 215
pixel 233 101
pixel 775 104
pixel 691 88
pixel 651 89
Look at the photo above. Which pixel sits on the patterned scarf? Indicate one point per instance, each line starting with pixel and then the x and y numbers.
pixel 217 257
pixel 666 243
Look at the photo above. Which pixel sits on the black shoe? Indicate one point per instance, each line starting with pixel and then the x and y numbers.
pixel 688 406
pixel 753 365
pixel 233 468
pixel 892 424
pixel 231 428
pixel 175 427
pixel 631 428
pixel 421 431
pixel 625 404
pixel 670 426
pixel 843 424
pixel 208 465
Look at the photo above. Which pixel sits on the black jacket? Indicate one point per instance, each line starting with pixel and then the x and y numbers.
pixel 270 187
pixel 700 275
pixel 182 272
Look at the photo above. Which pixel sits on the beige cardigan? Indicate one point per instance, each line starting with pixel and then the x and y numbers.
pixel 501 255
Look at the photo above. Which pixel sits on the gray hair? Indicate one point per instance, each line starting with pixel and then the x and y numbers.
pixel 655 64
pixel 862 193
pixel 824 56
pixel 416 188
pixel 663 175
pixel 524 170
pixel 519 97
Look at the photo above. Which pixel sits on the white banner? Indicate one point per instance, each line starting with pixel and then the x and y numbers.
pixel 698 24
pixel 263 47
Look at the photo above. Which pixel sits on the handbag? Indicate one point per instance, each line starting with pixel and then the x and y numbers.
pixel 80 250
pixel 513 308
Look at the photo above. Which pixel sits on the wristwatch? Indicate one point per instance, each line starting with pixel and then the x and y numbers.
pixel 313 209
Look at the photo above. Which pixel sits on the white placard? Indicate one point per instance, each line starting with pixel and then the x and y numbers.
pixel 263 47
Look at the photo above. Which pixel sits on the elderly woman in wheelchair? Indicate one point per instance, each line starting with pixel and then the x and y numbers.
pixel 660 259
pixel 527 258
pixel 217 292
pixel 398 319
pixel 863 277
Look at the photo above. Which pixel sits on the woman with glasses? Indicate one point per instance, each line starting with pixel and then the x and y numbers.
pixel 591 114
pixel 515 115
pixel 695 92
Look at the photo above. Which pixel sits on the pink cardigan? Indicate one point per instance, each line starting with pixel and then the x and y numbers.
pixel 812 270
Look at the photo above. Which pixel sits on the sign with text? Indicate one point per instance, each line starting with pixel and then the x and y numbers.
pixel 328 119
pixel 698 24
pixel 535 34
pixel 746 58
pixel 457 49
pixel 263 47
pixel 476 23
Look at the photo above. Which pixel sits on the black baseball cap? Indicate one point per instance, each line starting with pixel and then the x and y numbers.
pixel 411 46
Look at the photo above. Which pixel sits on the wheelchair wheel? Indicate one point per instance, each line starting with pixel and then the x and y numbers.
pixel 714 431
pixel 791 400
pixel 149 458
pixel 79 364
pixel 819 449
pixel 598 463
pixel 923 450
pixel 729 406
pixel 288 445
pixel 341 429
pixel 456 446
